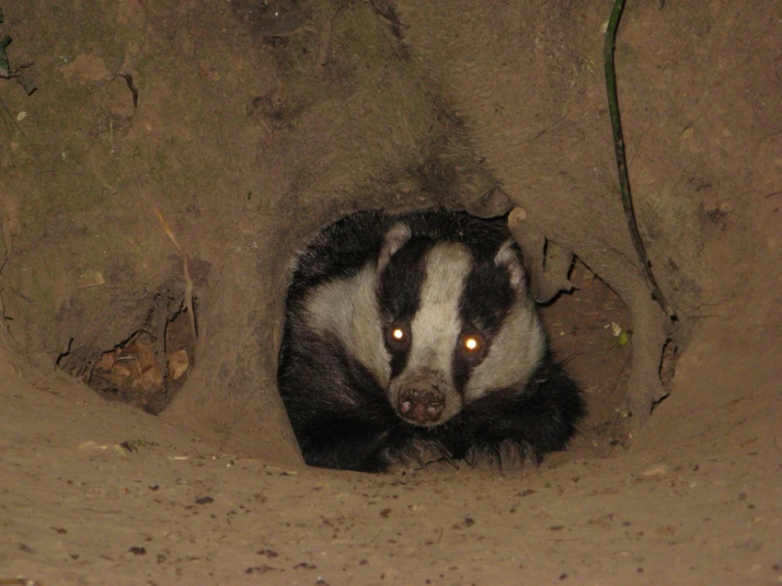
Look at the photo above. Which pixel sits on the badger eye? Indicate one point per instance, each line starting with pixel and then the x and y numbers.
pixel 472 346
pixel 398 336
pixel 471 343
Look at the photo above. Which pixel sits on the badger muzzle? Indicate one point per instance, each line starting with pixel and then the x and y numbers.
pixel 425 398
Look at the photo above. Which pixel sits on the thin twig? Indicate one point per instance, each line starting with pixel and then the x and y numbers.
pixel 188 301
pixel 621 163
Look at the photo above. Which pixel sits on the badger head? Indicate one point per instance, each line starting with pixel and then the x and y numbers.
pixel 456 321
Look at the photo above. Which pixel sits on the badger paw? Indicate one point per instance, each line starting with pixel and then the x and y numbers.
pixel 417 455
pixel 507 456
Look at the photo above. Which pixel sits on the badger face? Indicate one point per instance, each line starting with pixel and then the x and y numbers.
pixel 456 324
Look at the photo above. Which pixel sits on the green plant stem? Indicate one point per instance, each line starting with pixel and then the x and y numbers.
pixel 621 162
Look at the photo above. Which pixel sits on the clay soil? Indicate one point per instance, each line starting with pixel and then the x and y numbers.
pixel 171 161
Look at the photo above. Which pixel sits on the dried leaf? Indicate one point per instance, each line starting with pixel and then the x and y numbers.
pixel 91 278
pixel 178 363
pixel 106 362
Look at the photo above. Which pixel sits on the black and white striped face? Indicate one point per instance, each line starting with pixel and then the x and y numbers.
pixel 456 324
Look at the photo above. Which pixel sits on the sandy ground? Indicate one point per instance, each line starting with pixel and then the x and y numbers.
pixel 105 494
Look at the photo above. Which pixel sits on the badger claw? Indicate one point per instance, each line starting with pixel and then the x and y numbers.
pixel 417 455
pixel 507 456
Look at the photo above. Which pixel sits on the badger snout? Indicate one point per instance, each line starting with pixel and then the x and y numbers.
pixel 424 397
pixel 421 405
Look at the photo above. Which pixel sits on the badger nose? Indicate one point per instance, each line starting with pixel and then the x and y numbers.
pixel 421 406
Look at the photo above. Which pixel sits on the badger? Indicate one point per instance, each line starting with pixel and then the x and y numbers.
pixel 411 338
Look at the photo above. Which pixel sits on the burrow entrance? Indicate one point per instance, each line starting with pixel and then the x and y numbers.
pixel 151 364
pixel 589 328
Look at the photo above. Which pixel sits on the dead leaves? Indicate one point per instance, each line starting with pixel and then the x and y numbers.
pixel 146 371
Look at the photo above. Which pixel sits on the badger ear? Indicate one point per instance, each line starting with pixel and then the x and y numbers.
pixel 508 256
pixel 396 238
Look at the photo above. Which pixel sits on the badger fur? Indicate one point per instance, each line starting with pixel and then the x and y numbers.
pixel 411 338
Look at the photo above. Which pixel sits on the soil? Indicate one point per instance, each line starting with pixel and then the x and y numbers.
pixel 171 160
pixel 103 493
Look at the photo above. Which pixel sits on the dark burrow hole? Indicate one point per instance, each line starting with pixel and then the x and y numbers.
pixel 150 365
pixel 590 330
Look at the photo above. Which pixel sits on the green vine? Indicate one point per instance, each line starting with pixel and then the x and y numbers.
pixel 621 161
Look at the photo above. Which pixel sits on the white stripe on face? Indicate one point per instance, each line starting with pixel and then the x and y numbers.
pixel 348 308
pixel 515 352
pixel 437 324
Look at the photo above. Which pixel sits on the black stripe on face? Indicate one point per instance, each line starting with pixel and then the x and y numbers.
pixel 486 300
pixel 399 294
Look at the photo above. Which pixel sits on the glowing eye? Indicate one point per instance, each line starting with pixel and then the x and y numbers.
pixel 398 336
pixel 471 343
pixel 473 347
